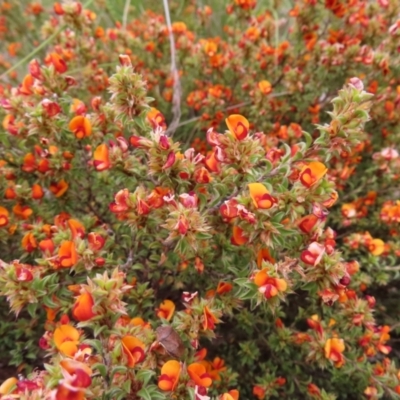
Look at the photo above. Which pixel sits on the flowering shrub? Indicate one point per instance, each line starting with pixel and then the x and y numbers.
pixel 192 215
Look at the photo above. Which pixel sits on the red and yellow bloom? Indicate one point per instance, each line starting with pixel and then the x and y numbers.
pixel 312 173
pixel 59 188
pixel 101 158
pixel 238 126
pixel 67 254
pixel 80 126
pixel 199 375
pixel 170 373
pixel 260 196
pixel 166 310
pixel 239 238
pixel 3 217
pixel 334 348
pixel 269 286
pixel 133 348
pixel 66 339
pixel 209 319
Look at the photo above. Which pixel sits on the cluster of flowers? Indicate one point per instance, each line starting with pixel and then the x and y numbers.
pixel 130 248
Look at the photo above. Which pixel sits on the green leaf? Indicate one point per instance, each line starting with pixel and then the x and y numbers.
pixel 145 375
pixel 144 394
pixel 118 369
pixel 101 368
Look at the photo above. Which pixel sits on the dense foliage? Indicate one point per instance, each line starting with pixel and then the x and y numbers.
pixel 206 208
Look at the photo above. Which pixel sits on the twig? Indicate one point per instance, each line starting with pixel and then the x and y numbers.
pixel 176 99
pixel 125 14
pixel 395 268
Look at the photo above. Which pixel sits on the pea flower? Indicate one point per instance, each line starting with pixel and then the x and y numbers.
pixel 170 373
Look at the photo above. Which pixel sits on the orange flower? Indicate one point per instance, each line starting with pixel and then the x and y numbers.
pixel 27 83
pixel 138 321
pixel 77 377
pixel 252 33
pixel 80 126
pixel 7 386
pixel 77 229
pixel 134 350
pixel 209 319
pixel 66 339
pixel 46 246
pixel 308 223
pixel 269 286
pixel 59 64
pixel 238 236
pixel 78 107
pixel 238 126
pixel 29 163
pixel 231 395
pixel 234 394
pixel 259 392
pixel 23 212
pixel 156 119
pixel 265 87
pixel 371 392
pixel 313 390
pixel 199 375
pixel 376 247
pixel 9 193
pixel 246 4
pixel 215 367
pixel 3 217
pixel 312 173
pixel 212 163
pixel 349 210
pixel 166 310
pixel 59 188
pixel 67 254
pixel 334 348
pixel 101 158
pixel 170 373
pixel 264 255
pixel 96 241
pixel 37 192
pixel 201 354
pixel 71 366
pixel 224 287
pixel 201 175
pixel 332 200
pixel 260 196
pixel 29 242
pixel 83 307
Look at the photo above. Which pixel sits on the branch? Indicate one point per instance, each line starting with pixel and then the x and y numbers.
pixel 125 14
pixel 176 99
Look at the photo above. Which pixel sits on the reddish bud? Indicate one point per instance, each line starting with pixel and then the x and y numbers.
pixel 34 69
pixel 51 108
pixel 170 160
pixel 124 60
pixel 164 143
